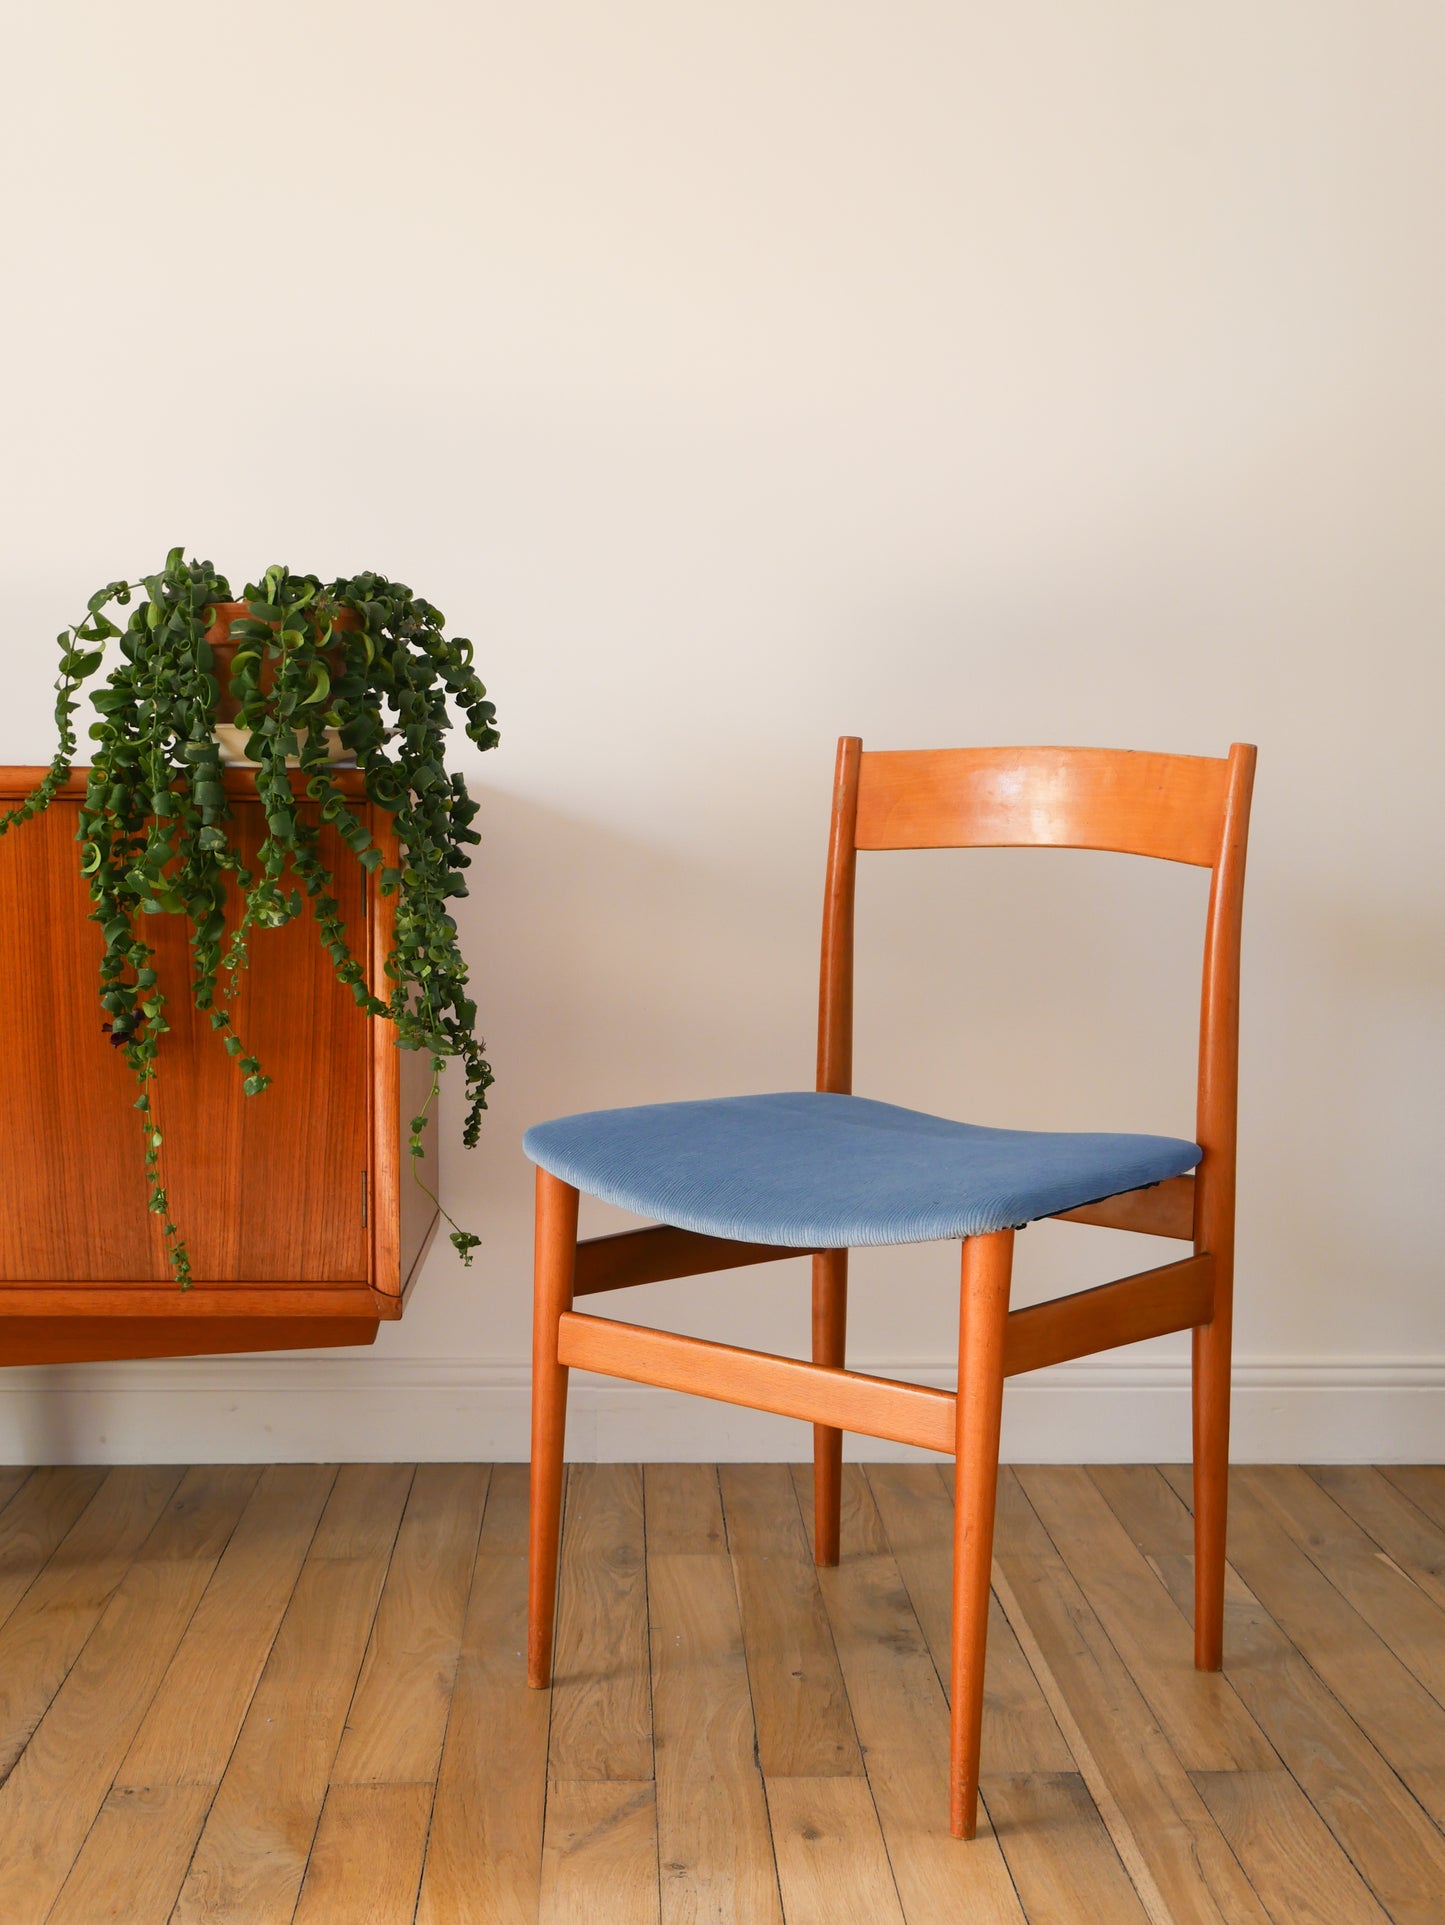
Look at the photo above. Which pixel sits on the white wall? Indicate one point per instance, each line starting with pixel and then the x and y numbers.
pixel 738 376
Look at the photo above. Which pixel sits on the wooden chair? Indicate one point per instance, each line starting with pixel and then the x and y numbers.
pixel 749 1180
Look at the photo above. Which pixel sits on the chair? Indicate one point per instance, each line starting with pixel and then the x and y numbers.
pixel 746 1180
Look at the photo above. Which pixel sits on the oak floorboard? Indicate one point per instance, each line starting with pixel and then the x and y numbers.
pixel 398 1715
pixel 220 1676
pixel 61 1779
pixel 1388 1703
pixel 715 1853
pixel 860 1529
pixel 601 1836
pixel 832 1864
pixel 135 1857
pixel 252 1854
pixel 1206 1725
pixel 1017 1719
pixel 1402 1531
pixel 484 1852
pixel 365 1865
pixel 1291 1859
pixel 901 1716
pixel 1423 1485
pixel 601 1712
pixel 1020 1733
pixel 48 1627
pixel 35 1521
pixel 1385 1834
pixel 804 1726
pixel 1064 1864
pixel 1159 1823
pixel 188 1733
pixel 1388 1598
pixel 682 1504
pixel 12 1477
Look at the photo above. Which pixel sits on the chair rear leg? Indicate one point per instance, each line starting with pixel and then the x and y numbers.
pixel 983 1317
pixel 830 1320
pixel 1212 1353
pixel 555 1266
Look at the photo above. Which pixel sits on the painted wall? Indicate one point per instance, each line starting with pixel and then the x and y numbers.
pixel 742 375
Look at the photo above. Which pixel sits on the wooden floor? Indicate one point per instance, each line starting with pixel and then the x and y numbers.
pixel 296 1693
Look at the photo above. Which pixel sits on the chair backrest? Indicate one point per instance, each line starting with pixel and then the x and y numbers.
pixel 1180 808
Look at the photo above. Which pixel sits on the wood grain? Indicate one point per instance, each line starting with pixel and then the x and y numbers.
pixel 61 1780
pixel 47 1630
pixel 484 1855
pixel 832 1863
pixel 800 1706
pixel 1165 1820
pixel 601 1714
pixel 1199 1711
pixel 398 1715
pixel 188 1732
pixel 861 1532
pixel 134 1857
pixel 268 1190
pixel 252 1854
pixel 1162 1210
pixel 876 1406
pixel 1171 806
pixel 600 1837
pixel 1394 1710
pixel 1292 1861
pixel 1020 1733
pixel 1093 1700
pixel 1423 1485
pixel 659 1252
pixel 682 1506
pixel 264 1188
pixel 35 1520
pixel 554 1247
pixel 1399 1852
pixel 1151 1304
pixel 1392 1601
pixel 365 1865
pixel 1403 1533
pixel 901 1718
pixel 1062 1860
pixel 12 1477
pixel 92 1324
pixel 1216 1132
pixel 715 1858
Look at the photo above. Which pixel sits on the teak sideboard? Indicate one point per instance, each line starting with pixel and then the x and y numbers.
pixel 304 1223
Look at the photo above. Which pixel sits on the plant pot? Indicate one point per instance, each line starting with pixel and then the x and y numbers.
pixel 233 740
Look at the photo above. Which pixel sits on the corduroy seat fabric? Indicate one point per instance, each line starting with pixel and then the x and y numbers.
pixel 813 1170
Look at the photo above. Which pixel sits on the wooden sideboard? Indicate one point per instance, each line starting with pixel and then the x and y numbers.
pixel 304 1223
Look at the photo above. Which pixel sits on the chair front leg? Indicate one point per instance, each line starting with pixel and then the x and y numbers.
pixel 830 1321
pixel 983 1317
pixel 555 1267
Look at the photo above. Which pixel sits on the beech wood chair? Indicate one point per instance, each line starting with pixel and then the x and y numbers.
pixel 746 1180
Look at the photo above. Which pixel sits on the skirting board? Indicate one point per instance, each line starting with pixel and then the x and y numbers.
pixel 369 1408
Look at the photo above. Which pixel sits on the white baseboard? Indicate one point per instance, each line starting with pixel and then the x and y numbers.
pixel 370 1408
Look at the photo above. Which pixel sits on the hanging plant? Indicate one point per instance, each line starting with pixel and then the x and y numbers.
pixel 298 672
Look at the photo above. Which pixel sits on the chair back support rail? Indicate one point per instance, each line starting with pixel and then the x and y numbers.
pixel 1176 808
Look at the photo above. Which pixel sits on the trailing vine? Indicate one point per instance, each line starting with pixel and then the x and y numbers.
pixel 361 656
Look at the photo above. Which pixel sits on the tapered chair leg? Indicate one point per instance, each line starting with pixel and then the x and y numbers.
pixel 983 1317
pixel 1212 1351
pixel 830 1321
pixel 555 1267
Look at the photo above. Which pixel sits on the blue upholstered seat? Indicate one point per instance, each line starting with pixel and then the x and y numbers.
pixel 811 1171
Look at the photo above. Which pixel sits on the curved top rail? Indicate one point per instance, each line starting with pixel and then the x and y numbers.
pixel 1127 800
